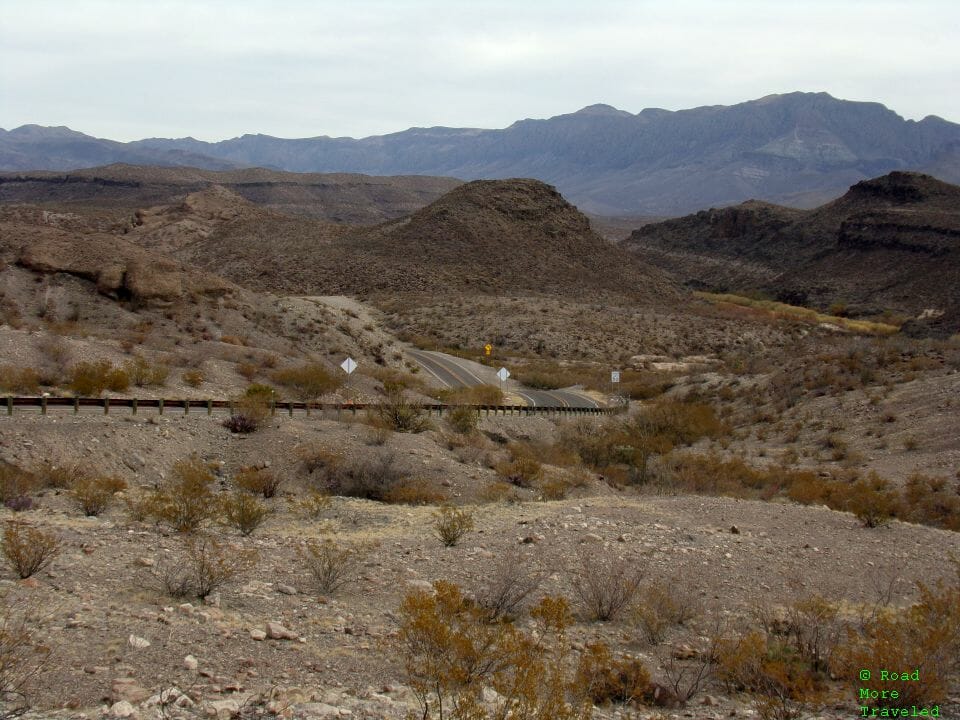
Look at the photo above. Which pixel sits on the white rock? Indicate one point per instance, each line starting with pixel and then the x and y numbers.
pixel 258 634
pixel 190 662
pixel 123 709
pixel 276 631
pixel 138 642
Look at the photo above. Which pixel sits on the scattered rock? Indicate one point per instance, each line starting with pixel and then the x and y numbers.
pixel 138 642
pixel 127 689
pixel 258 634
pixel 123 709
pixel 276 631
pixel 286 589
pixel 190 662
pixel 734 530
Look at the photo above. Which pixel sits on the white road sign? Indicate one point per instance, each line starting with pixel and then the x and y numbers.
pixel 349 365
pixel 503 374
pixel 615 376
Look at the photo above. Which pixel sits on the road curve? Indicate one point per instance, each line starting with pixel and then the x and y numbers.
pixel 451 371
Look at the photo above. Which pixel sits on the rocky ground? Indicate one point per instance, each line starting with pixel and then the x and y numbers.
pixel 270 641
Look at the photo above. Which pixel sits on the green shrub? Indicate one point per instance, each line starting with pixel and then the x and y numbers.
pixel 398 413
pixel 202 566
pixel 15 482
pixel 463 419
pixel 331 567
pixel 143 373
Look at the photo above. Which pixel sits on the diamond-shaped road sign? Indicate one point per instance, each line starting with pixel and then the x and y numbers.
pixel 349 365
pixel 503 374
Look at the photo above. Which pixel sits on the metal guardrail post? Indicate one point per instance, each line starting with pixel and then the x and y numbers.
pixel 133 407
pixel 291 408
pixel 43 405
pixel 106 406
pixel 76 405
pixel 9 405
pixel 160 405
pixel 209 407
pixel 186 407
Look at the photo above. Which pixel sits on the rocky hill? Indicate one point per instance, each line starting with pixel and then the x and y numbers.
pixel 890 243
pixel 798 149
pixel 339 197
pixel 506 236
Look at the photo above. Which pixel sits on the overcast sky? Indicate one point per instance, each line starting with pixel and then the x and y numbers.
pixel 130 69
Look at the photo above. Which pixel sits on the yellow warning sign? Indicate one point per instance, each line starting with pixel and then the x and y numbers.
pixel 487 349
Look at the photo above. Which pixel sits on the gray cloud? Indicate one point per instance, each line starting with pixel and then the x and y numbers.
pixel 292 68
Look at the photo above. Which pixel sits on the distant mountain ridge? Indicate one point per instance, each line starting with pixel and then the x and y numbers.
pixel 889 244
pixel 797 149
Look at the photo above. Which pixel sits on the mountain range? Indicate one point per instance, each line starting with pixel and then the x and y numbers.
pixel 888 245
pixel 796 149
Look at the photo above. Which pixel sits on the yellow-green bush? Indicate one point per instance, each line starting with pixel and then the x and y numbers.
pixel 307 381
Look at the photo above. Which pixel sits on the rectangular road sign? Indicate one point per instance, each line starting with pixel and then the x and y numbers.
pixel 615 376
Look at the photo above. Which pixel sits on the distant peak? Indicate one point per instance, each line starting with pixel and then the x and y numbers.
pixel 602 109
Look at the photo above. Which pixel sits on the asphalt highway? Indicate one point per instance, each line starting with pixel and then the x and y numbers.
pixel 451 371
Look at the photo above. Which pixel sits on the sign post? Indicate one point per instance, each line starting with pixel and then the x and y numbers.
pixel 503 374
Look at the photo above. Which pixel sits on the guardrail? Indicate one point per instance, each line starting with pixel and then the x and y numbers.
pixel 185 405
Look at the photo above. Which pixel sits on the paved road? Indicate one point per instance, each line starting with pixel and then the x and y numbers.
pixel 451 371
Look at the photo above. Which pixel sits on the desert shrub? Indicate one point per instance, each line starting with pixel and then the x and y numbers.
pixel 318 459
pixel 194 378
pixel 463 419
pixel 22 656
pixel 247 370
pixel 783 686
pixel 185 501
pixel 92 379
pixel 871 499
pixel 416 491
pixel 400 414
pixel 15 482
pixel 139 505
pixel 259 481
pixel 450 653
pixel 28 550
pixel 371 476
pixel 497 492
pixel 307 381
pixel 451 524
pixel 59 475
pixel 143 373
pixel 202 566
pixel 94 494
pixel 605 679
pixel 523 469
pixel 331 567
pixel 19 503
pixel 554 488
pixel 243 512
pixel 660 606
pixel 313 505
pixel 508 584
pixel 250 411
pixel 605 584
pixel 815 628
pixel 681 423
pixel 474 395
pixel 19 380
pixel 924 636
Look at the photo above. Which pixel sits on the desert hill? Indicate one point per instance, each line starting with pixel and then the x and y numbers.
pixel 336 197
pixel 506 236
pixel 797 149
pixel 889 244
